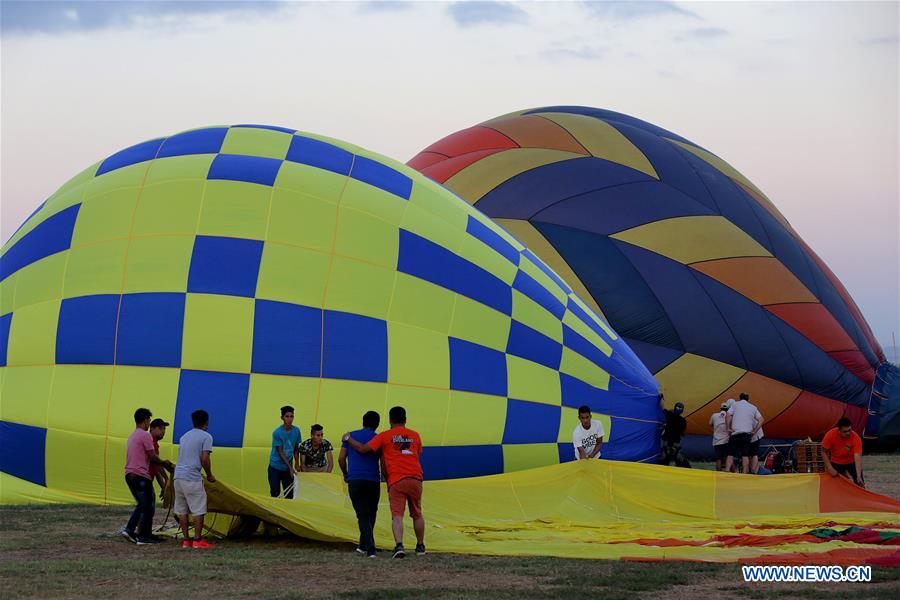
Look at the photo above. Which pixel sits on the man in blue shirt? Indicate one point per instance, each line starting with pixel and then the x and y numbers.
pixel 285 440
pixel 363 481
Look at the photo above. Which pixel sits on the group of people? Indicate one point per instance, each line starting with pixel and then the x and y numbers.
pixel 290 456
pixel 737 431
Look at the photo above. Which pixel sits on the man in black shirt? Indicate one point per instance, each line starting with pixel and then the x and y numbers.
pixel 671 437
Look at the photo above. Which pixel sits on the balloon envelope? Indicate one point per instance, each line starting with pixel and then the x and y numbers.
pixel 689 261
pixel 240 269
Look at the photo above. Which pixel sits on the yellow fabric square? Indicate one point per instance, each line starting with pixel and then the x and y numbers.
pixel 439 202
pixel 578 366
pixel 268 393
pixel 291 274
pixel 255 463
pixel 131 176
pixel 463 430
pixel 218 333
pixel 418 356
pixel 302 220
pixel 105 217
pixel 342 403
pixel 374 201
pixel 169 208
pixel 530 313
pixel 366 237
pixel 158 264
pixel 8 293
pixel 531 381
pixel 26 395
pixel 477 252
pixel 251 141
pixel 175 168
pixel 538 275
pixel 116 489
pixel 32 335
pixel 475 322
pixel 426 411
pixel 360 288
pixel 79 398
pixel 235 208
pixel 433 228
pixel 95 269
pixel 40 281
pixel 421 303
pixel 86 474
pixel 136 387
pixel 311 181
pixel 518 457
pixel 570 319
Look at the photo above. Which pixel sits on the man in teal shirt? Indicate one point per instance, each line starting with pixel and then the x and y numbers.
pixel 284 461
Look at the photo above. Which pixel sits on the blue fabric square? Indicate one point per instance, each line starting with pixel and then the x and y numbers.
pixel 150 330
pixel 381 176
pixel 531 422
pixel 287 339
pixel 5 323
pixel 432 262
pixel 130 156
pixel 199 141
pixel 86 333
pixel 541 295
pixel 533 345
pixel 222 395
pixel 476 368
pixel 356 347
pixel 252 169
pixel 316 153
pixel 454 462
pixel 52 235
pixel 493 239
pixel 566 451
pixel 22 451
pixel 228 266
pixel 547 270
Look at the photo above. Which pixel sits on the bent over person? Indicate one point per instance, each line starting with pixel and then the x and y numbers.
pixel 401 448
pixel 842 452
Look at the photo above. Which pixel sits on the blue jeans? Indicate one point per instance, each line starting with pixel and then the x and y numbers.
pixel 279 480
pixel 142 490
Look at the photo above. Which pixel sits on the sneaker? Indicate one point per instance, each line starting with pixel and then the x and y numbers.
pixel 145 541
pixel 420 549
pixel 371 554
pixel 187 544
pixel 201 543
pixel 128 536
pixel 399 552
pixel 360 550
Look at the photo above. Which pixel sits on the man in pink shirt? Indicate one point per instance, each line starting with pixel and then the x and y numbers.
pixel 139 454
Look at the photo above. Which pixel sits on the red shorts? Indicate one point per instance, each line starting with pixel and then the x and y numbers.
pixel 406 491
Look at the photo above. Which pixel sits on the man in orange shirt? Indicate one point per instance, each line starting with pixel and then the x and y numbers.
pixel 400 448
pixel 842 452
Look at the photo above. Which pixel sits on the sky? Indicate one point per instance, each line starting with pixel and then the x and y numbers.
pixel 801 97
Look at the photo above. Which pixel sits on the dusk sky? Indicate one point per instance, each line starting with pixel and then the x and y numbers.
pixel 800 97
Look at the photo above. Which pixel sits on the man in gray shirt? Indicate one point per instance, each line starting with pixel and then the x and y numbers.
pixel 194 449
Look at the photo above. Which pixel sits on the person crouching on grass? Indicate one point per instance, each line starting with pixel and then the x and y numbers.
pixel 401 448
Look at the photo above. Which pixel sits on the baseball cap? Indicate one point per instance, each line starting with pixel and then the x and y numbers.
pixel 158 423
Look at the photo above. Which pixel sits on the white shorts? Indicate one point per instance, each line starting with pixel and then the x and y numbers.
pixel 190 498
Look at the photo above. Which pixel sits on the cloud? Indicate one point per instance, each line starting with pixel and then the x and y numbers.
pixel 467 14
pixel 383 6
pixel 23 17
pixel 583 52
pixel 702 34
pixel 630 10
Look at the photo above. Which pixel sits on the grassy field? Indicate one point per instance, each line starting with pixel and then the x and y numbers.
pixel 73 552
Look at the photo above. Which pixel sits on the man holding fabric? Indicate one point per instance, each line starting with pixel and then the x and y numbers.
pixel 284 459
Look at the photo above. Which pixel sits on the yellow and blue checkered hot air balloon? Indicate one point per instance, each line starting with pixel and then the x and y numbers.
pixel 238 269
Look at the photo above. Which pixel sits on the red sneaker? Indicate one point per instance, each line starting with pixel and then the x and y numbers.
pixel 203 544
pixel 187 544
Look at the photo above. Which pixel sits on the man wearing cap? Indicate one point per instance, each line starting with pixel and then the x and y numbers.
pixel 720 436
pixel 139 455
pixel 158 470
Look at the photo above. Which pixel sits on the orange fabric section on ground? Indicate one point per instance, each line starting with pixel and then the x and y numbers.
pixel 763 279
pixel 886 557
pixel 837 494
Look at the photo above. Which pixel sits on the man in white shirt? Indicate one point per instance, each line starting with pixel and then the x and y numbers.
pixel 720 436
pixel 588 435
pixel 744 421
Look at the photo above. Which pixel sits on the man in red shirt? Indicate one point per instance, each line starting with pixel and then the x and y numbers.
pixel 842 452
pixel 157 470
pixel 400 448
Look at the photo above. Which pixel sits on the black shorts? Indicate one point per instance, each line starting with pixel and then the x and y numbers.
pixel 723 451
pixel 740 444
pixel 754 448
pixel 848 469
